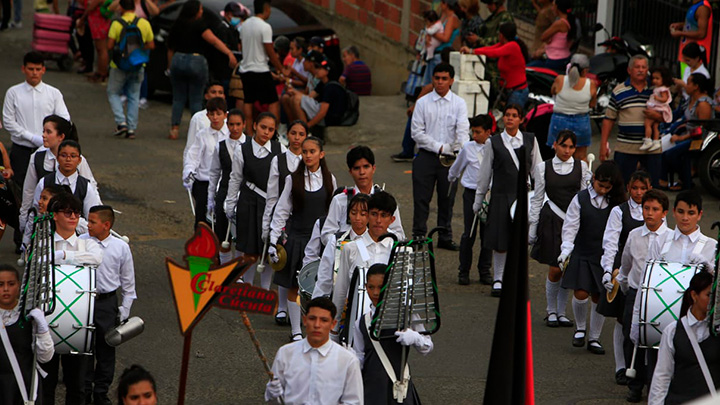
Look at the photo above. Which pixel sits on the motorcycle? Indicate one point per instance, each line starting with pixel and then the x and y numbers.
pixel 707 164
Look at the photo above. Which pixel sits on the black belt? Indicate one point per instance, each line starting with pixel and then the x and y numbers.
pixel 103 296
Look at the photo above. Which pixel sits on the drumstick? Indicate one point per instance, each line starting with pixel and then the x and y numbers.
pixel 192 203
pixel 226 242
pixel 472 227
pixel 631 373
pixel 261 266
pixel 590 160
pixel 259 350
pixel 117 235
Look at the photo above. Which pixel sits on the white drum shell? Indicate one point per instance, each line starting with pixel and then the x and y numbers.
pixel 71 322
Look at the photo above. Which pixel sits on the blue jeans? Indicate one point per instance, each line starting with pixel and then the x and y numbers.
pixel 188 76
pixel 679 160
pixel 131 81
pixel 427 78
pixel 143 88
pixel 17 10
pixel 577 123
pixel 408 144
pixel 557 65
pixel 651 162
pixel 518 97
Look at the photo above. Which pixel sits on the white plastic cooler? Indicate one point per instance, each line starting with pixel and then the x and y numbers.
pixel 475 93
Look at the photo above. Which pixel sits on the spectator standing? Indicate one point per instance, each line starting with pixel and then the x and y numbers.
pixel 130 80
pixel 188 66
pixel 557 39
pixel 227 32
pixel 628 108
pixel 6 11
pixel 472 22
pixel 356 77
pixel 489 35
pixel 451 29
pixel 543 21
pixel 693 59
pixel 99 26
pixel 696 28
pixel 257 47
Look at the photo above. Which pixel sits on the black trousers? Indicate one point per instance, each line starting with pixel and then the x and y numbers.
pixel 221 222
pixel 429 175
pixel 644 370
pixel 20 158
pixel 5 13
pixel 101 369
pixel 467 241
pixel 74 369
pixel 200 195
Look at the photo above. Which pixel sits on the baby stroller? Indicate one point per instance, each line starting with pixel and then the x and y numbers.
pixel 51 36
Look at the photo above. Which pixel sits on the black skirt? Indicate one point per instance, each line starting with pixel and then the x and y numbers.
pixel 612 309
pixel 584 273
pixel 499 223
pixel 295 249
pixel 549 237
pixel 250 210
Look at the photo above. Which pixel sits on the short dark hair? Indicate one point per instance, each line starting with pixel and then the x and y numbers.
pixel 216 104
pixel 71 143
pixel 301 43
pixel 322 303
pixel 213 83
pixel 564 135
pixel 127 5
pixel 383 201
pixel 259 5
pixel 484 121
pixel 700 281
pixel 33 57
pixel 352 49
pixel 131 376
pixel 431 16
pixel 689 197
pixel 657 195
pixel 64 201
pixel 640 175
pixel 516 107
pixel 377 269
pixel 359 199
pixel 704 83
pixel 105 212
pixel 238 112
pixel 56 189
pixel 357 153
pixel 444 68
pixel 10 269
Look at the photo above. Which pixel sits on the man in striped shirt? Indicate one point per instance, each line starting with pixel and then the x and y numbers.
pixel 627 107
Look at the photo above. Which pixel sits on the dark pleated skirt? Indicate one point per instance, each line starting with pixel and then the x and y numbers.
pixel 584 273
pixel 549 237
pixel 499 223
pixel 295 248
pixel 612 309
pixel 250 209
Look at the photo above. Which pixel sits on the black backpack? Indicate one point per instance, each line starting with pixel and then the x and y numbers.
pixel 352 110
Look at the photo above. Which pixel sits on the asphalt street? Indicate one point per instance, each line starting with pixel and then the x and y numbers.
pixel 141 178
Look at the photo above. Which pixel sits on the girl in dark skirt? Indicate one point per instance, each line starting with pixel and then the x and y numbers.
pixel 582 233
pixel 305 197
pixel 560 178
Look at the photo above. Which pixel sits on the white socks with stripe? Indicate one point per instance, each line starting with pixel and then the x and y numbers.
pixel 498 265
pixel 618 341
pixel 596 323
pixel 282 299
pixel 562 298
pixel 295 317
pixel 580 311
pixel 551 294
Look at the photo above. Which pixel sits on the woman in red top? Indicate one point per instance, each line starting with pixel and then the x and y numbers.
pixel 512 54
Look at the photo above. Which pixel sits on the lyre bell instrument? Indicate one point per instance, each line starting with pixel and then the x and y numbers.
pixel 714 296
pixel 38 281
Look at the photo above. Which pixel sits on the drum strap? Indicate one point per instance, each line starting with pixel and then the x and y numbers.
pixel 697 250
pixel 400 388
pixel 362 249
pixel 15 366
pixel 700 357
pixel 338 246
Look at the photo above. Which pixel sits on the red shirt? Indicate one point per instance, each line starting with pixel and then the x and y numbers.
pixel 511 63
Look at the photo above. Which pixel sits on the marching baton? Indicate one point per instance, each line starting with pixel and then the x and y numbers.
pixel 261 266
pixel 192 204
pixel 117 235
pixel 631 373
pixel 590 160
pixel 259 350
pixel 226 242
pixel 472 227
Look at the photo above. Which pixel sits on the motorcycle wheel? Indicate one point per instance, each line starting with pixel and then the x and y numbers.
pixel 709 168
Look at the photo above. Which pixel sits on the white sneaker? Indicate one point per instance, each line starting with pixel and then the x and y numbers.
pixel 647 143
pixel 143 103
pixel 16 24
pixel 656 144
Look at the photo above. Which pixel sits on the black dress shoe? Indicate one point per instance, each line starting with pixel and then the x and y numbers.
pixel 463 280
pixel 101 399
pixel 595 347
pixel 402 158
pixel 634 396
pixel 620 377
pixel 565 322
pixel 448 245
pixel 496 289
pixel 486 279
pixel 579 341
pixel 551 320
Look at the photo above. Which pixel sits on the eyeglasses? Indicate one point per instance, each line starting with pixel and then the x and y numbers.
pixel 71 213
pixel 66 156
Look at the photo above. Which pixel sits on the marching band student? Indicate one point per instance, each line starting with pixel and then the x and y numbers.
pixel 69 249
pixel 358 215
pixel 632 268
pixel 22 340
pixel 116 272
pixel 336 377
pixel 219 177
pixel 582 229
pixel 199 120
pixel 361 165
pixel 467 164
pixel 137 387
pixel 560 178
pixel 69 158
pixel 679 377
pixel 305 197
pixel 44 161
pixel 364 251
pixel 45 196
pixel 623 219
pixel 376 356
pixel 249 177
pixel 196 162
pixel 500 161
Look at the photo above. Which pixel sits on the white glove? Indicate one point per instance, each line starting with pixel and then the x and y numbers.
pixel 477 205
pixel 607 281
pixel 124 313
pixel 408 337
pixel 624 287
pixel 188 181
pixel 561 261
pixel 211 205
pixel 38 317
pixel 272 252
pixel 265 233
pixel 273 389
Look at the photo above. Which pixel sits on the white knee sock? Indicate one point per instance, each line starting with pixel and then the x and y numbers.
pixel 295 315
pixel 499 265
pixel 238 254
pixel 266 277
pixel 225 257
pixel 596 323
pixel 618 347
pixel 551 292
pixel 580 311
pixel 562 298
pixel 282 299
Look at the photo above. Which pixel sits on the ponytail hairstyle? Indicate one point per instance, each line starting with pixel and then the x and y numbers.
pixel 565 7
pixel 608 171
pixel 694 50
pixel 298 180
pixel 509 31
pixel 578 63
pixel 704 83
pixel 698 284
pixel 63 126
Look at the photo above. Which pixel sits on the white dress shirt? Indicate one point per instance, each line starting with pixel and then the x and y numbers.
pixel 215 172
pixel 665 368
pixel 116 271
pixel 440 122
pixel 198 122
pixel 511 143
pixel 681 249
pixel 77 251
pixel 236 175
pixel 351 257
pixel 467 164
pixel 25 108
pixel 326 270
pixel 634 255
pixel 198 157
pixel 284 207
pixel 571 225
pixel 273 185
pixel 329 374
pixel 44 345
pixel 31 179
pixel 560 168
pixel 613 228
pixel 337 217
pixel 92 198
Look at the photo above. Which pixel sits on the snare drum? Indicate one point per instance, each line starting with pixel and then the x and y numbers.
pixel 661 298
pixel 71 322
pixel 306 282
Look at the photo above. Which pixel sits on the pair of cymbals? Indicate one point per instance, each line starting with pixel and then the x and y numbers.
pixel 282 258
